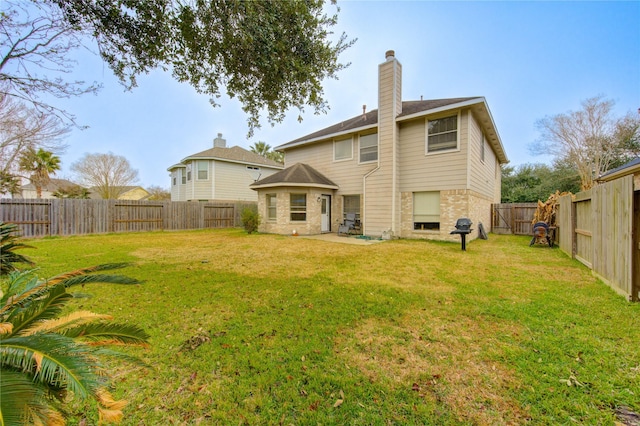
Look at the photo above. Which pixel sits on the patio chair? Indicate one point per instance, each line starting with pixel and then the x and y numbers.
pixel 348 225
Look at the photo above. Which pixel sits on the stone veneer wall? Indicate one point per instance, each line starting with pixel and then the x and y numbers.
pixel 454 204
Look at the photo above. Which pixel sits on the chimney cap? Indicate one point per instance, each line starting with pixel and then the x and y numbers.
pixel 390 54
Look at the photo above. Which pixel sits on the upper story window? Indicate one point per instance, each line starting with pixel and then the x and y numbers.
pixel 368 147
pixel 343 149
pixel 203 170
pixel 482 144
pixel 189 172
pixel 442 134
pixel 183 178
pixel 174 179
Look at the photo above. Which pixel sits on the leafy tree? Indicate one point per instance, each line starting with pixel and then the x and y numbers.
pixel 158 193
pixel 590 139
pixel 47 356
pixel 529 183
pixel 272 55
pixel 9 243
pixel 40 164
pixel 106 174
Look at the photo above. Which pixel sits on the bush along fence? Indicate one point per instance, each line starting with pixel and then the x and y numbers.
pixel 48 217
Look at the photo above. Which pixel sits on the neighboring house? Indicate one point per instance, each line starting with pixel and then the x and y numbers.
pixel 126 193
pixel 29 190
pixel 409 169
pixel 219 173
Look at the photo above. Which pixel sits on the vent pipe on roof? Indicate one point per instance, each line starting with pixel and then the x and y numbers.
pixel 219 142
pixel 364 112
pixel 389 55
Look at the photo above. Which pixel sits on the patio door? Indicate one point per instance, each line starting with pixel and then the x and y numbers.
pixel 325 213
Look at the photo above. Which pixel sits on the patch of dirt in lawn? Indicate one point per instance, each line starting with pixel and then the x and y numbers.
pixel 441 360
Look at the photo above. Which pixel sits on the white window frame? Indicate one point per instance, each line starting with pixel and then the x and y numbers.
pixel 447 149
pixel 298 210
pixel 346 141
pixel 204 170
pixel 272 210
pixel 183 176
pixel 360 148
pixel 426 220
pixel 189 175
pixel 482 147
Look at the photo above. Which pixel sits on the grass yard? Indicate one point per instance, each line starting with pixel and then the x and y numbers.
pixel 272 330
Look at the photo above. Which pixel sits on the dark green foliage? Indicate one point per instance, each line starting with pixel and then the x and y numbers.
pixel 272 55
pixel 529 183
pixel 250 219
pixel 8 244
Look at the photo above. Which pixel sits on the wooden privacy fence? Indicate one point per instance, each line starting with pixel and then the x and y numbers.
pixel 46 217
pixel 597 228
pixel 513 218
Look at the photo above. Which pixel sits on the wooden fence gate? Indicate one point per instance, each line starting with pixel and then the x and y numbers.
pixel 513 218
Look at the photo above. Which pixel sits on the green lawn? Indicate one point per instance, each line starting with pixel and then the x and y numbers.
pixel 265 329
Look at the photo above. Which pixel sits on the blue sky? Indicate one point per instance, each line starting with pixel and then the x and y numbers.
pixel 528 59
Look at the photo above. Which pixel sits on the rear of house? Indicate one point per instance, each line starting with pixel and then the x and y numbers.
pixel 409 169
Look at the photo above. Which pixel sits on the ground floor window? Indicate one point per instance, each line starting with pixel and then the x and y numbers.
pixel 271 206
pixel 426 210
pixel 298 207
pixel 351 204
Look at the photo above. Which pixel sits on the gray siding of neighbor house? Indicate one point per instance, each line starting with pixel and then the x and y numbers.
pixel 232 181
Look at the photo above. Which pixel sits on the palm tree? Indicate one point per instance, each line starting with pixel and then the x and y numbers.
pixel 46 358
pixel 261 148
pixel 40 164
pixel 8 244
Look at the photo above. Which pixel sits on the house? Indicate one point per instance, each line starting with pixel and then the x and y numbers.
pixel 54 185
pixel 130 192
pixel 409 169
pixel 219 173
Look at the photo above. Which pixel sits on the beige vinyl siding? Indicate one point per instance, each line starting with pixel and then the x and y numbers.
pixel 347 174
pixel 232 181
pixel 433 172
pixel 482 177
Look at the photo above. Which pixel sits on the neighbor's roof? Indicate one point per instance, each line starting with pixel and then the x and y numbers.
pixel 410 110
pixel 631 167
pixel 52 186
pixel 234 154
pixel 299 174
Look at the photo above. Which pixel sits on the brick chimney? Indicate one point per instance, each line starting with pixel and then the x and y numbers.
pixel 219 142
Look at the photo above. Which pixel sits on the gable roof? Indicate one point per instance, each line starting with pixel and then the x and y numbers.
pixel 631 167
pixel 410 110
pixel 299 174
pixel 234 154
